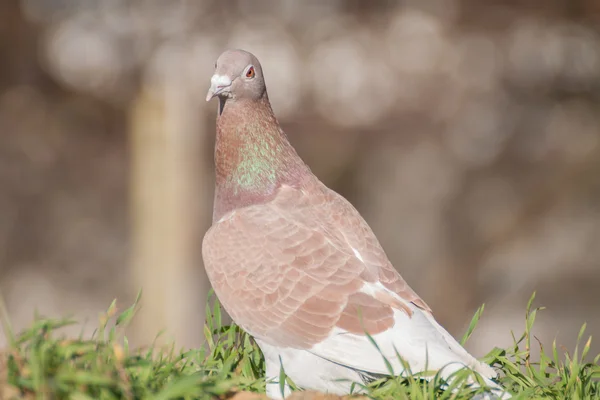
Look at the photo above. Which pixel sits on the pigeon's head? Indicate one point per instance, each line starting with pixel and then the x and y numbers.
pixel 238 75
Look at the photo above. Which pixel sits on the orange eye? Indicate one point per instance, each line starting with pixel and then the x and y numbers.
pixel 250 72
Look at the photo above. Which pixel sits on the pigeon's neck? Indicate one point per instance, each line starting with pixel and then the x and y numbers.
pixel 253 157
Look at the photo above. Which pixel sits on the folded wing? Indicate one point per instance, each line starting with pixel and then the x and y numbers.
pixel 307 272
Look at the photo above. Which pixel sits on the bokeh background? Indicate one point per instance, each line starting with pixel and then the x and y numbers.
pixel 466 132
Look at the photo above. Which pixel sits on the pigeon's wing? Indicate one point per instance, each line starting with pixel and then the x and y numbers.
pixel 284 283
pixel 299 272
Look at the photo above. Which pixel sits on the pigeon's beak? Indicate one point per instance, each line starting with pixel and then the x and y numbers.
pixel 219 84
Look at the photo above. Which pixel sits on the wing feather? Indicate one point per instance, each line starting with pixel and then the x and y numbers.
pixel 306 272
pixel 287 271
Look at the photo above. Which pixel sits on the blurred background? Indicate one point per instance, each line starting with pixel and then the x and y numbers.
pixel 466 132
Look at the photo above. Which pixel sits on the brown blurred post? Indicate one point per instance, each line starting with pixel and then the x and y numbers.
pixel 166 136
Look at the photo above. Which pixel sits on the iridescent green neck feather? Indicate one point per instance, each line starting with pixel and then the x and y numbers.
pixel 252 156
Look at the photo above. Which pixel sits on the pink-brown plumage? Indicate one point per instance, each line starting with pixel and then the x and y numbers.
pixel 295 264
pixel 286 270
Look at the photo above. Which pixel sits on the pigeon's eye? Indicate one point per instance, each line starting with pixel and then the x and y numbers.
pixel 250 72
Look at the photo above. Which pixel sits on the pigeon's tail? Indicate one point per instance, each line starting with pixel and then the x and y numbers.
pixel 466 359
pixel 495 390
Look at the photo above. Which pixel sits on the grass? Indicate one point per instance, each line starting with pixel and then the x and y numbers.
pixel 39 363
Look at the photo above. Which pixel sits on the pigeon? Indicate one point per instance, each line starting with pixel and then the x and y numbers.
pixel 297 267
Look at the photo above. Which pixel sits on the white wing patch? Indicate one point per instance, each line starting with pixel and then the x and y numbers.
pixel 358 255
pixel 381 293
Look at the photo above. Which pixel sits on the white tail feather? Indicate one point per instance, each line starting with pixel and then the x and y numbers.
pixel 420 341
